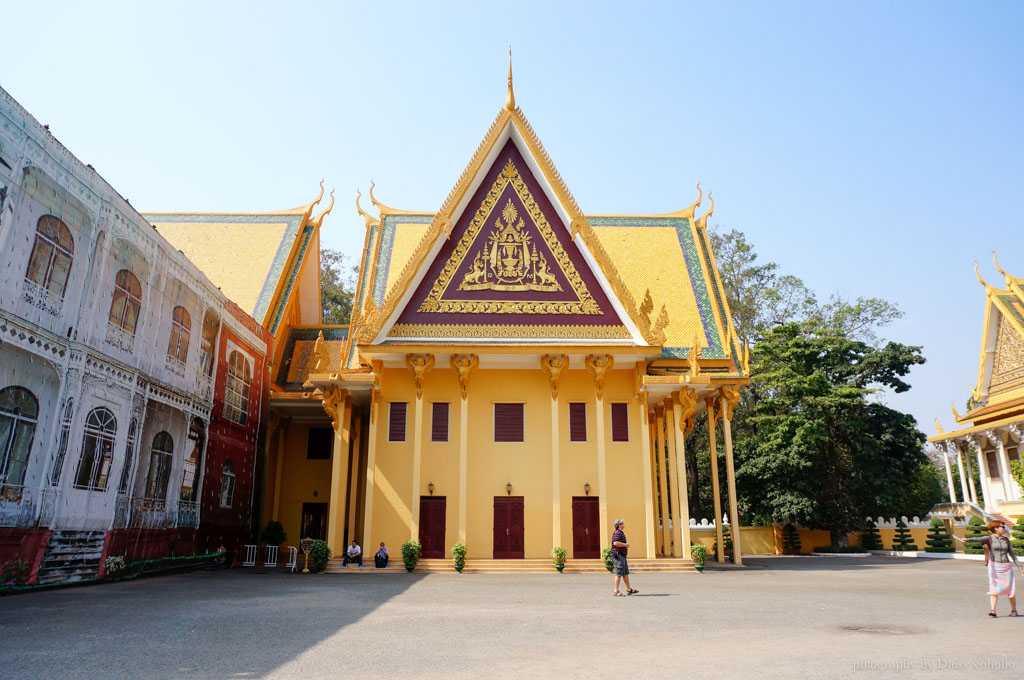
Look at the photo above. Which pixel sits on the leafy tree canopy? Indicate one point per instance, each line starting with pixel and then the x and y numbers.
pixel 337 286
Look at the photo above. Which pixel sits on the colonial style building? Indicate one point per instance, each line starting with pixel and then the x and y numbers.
pixel 991 429
pixel 132 391
pixel 516 375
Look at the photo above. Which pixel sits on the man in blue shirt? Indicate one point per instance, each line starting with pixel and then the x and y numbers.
pixel 619 566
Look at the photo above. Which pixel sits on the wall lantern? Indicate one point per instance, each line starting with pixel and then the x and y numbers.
pixel 586 488
pixel 430 488
pixel 508 488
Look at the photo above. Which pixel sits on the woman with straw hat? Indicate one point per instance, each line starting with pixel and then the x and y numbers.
pixel 1000 571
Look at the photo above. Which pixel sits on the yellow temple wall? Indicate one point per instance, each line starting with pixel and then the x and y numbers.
pixel 490 465
pixel 300 478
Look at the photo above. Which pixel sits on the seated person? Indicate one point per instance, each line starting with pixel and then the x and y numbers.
pixel 380 560
pixel 353 554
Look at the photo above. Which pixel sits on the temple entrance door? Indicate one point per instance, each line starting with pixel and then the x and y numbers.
pixel 586 528
pixel 509 541
pixel 432 518
pixel 314 521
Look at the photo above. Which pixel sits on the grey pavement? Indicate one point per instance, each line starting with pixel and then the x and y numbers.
pixel 798 617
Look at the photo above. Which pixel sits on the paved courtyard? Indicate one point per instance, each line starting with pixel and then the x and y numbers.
pixel 777 618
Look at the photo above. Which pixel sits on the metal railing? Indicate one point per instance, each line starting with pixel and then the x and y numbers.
pixel 117 337
pixel 40 297
pixel 154 513
pixel 267 556
pixel 188 514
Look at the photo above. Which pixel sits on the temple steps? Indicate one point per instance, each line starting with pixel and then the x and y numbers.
pixel 526 566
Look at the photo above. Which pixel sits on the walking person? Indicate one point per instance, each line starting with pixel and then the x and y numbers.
pixel 1000 571
pixel 619 565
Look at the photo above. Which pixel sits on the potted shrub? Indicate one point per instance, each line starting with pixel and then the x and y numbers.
pixel 699 553
pixel 458 556
pixel 791 540
pixel 321 554
pixel 411 554
pixel 606 557
pixel 272 534
pixel 558 555
pixel 113 567
pixel 938 540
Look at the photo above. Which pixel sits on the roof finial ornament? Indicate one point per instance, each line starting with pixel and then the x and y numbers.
pixel 702 221
pixel 976 274
pixel 368 219
pixel 693 208
pixel 510 96
pixel 319 219
pixel 1009 279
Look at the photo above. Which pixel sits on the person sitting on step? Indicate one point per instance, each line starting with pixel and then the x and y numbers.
pixel 353 554
pixel 380 560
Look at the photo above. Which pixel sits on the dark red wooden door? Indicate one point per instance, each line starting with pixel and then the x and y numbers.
pixel 586 536
pixel 432 519
pixel 509 528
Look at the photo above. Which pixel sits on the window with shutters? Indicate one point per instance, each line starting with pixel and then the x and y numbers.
pixel 577 422
pixel 1013 453
pixel 508 423
pixel 993 465
pixel 439 421
pixel 396 421
pixel 620 423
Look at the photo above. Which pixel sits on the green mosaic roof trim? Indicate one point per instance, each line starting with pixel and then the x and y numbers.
pixel 294 222
pixel 1012 307
pixel 714 285
pixel 307 235
pixel 387 242
pixel 371 244
pixel 714 349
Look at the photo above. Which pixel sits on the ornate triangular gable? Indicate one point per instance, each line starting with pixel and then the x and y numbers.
pixel 575 293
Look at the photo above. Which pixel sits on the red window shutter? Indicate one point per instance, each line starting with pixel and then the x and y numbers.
pixel 439 422
pixel 577 422
pixel 993 465
pixel 508 422
pixel 620 423
pixel 396 422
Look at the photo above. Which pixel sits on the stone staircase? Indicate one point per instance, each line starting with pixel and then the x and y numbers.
pixel 545 566
pixel 71 556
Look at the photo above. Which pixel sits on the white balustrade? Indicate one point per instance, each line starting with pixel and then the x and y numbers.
pixel 40 297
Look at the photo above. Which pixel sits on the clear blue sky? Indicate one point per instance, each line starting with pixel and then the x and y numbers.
pixel 871 148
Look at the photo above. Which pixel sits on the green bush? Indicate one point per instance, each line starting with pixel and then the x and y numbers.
pixel 791 540
pixel 606 557
pixel 871 540
pixel 558 555
pixel 272 534
pixel 699 553
pixel 727 539
pixel 902 539
pixel 15 573
pixel 411 550
pixel 114 566
pixel 938 540
pixel 458 556
pixel 321 554
pixel 975 527
pixel 1017 534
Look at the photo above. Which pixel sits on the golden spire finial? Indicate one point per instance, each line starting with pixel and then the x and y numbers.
pixel 319 219
pixel 368 219
pixel 702 221
pixel 510 96
pixel 938 425
pixel 1009 279
pixel 978 275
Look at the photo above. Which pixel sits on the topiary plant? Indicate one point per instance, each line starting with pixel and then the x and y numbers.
pixel 321 554
pixel 606 557
pixel 272 534
pixel 727 540
pixel 699 553
pixel 790 540
pixel 975 527
pixel 902 539
pixel 558 555
pixel 458 556
pixel 1017 534
pixel 411 554
pixel 938 540
pixel 871 539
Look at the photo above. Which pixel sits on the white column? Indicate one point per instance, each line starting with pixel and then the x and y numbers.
pixel 983 475
pixel 648 468
pixel 1004 468
pixel 963 475
pixel 730 472
pixel 949 476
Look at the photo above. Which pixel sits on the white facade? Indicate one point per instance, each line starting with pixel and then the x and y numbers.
pixel 73 345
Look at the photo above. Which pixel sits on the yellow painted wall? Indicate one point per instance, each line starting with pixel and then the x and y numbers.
pixel 300 478
pixel 527 466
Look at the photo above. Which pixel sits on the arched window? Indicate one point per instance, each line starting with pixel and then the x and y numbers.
pixel 181 329
pixel 211 325
pixel 50 262
pixel 160 460
pixel 97 450
pixel 62 445
pixel 227 485
pixel 236 388
pixel 124 308
pixel 129 457
pixel 19 411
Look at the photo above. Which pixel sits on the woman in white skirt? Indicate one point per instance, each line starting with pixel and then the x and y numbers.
pixel 1000 570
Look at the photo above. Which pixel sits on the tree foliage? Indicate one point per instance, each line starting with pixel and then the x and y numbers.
pixel 337 286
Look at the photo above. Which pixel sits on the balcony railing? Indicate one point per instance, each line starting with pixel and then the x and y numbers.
pixel 40 297
pixel 154 513
pixel 174 366
pixel 19 505
pixel 204 386
pixel 117 337
pixel 188 514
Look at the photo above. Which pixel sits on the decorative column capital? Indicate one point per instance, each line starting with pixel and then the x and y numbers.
pixel 659 410
pixel 553 365
pixel 420 365
pixel 463 365
pixel 1017 430
pixel 687 398
pixel 599 365
pixel 730 397
pixel 333 399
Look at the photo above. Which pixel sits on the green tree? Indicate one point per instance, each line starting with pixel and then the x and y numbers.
pixel 938 540
pixel 902 539
pixel 871 540
pixel 815 449
pixel 1017 535
pixel 337 286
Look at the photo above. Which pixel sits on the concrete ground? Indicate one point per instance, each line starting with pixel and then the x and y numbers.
pixel 780 617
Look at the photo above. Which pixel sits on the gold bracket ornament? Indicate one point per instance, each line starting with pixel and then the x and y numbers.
pixel 599 365
pixel 694 357
pixel 420 365
pixel 956 414
pixel 730 397
pixel 938 425
pixel 323 357
pixel 333 398
pixel 687 398
pixel 463 365
pixel 553 366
